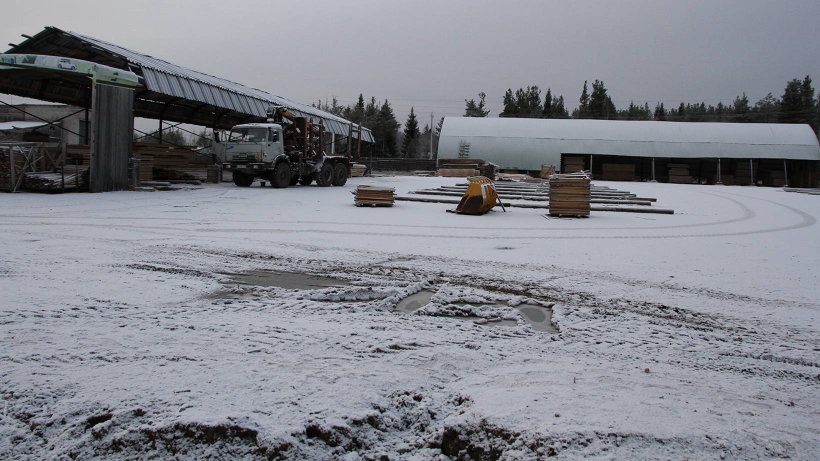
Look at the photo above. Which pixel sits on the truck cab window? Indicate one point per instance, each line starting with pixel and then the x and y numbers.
pixel 248 135
pixel 273 136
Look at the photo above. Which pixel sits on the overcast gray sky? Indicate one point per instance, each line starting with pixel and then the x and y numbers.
pixel 434 54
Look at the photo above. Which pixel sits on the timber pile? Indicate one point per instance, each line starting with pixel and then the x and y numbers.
pixel 465 167
pixel 6 167
pixel 569 194
pixel 76 178
pixel 78 154
pixel 618 172
pixel 547 171
pixel 170 162
pixel 373 196
pixel 679 173
pixel 574 164
pixel 776 178
pixel 357 169
pixel 743 173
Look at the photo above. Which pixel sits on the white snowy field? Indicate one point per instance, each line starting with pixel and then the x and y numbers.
pixel 123 334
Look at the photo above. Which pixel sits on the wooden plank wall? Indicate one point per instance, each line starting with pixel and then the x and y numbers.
pixel 112 125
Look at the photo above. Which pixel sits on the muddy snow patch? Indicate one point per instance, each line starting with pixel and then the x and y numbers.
pixel 288 280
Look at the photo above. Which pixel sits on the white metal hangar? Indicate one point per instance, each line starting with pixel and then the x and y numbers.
pixel 684 152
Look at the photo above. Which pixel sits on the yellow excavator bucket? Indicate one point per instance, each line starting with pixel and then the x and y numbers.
pixel 479 198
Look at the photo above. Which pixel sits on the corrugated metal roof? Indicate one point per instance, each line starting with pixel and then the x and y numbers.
pixel 172 80
pixel 529 143
pixel 167 78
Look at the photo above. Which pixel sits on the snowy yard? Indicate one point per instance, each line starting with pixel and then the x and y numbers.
pixel 124 332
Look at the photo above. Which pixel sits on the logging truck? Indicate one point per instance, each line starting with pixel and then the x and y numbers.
pixel 285 154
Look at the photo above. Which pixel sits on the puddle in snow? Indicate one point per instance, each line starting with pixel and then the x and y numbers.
pixel 414 302
pixel 290 280
pixel 540 318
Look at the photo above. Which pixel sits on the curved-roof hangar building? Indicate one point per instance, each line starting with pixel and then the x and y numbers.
pixel 683 152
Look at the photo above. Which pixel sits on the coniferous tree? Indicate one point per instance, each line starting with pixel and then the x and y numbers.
pixel 583 109
pixel 558 109
pixel 411 134
pixel 740 109
pixel 510 107
pixel 660 112
pixel 476 109
pixel 385 131
pixel 600 105
pixel 547 110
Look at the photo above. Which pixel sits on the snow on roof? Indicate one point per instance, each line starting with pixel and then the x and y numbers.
pixel 8 126
pixel 630 138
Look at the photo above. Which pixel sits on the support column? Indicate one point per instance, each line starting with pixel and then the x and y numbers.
pixel 333 143
pixel 653 170
pixel 752 171
pixel 785 174
pixel 718 173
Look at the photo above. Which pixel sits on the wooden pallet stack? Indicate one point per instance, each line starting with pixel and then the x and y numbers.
pixel 373 196
pixel 357 169
pixel 465 167
pixel 679 173
pixel 618 171
pixel 574 164
pixel 569 194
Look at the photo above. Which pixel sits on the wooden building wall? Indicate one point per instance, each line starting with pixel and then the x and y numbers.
pixel 112 125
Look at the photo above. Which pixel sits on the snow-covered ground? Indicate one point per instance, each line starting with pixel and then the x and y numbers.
pixel 124 335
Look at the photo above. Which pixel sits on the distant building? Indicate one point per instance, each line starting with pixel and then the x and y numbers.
pixel 684 152
pixel 74 120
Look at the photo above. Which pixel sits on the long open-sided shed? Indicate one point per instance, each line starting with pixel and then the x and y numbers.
pixel 170 92
pixel 688 152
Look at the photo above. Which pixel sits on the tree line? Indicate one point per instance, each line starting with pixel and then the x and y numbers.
pixel 798 104
pixel 411 142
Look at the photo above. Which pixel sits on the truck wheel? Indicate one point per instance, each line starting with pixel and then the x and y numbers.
pixel 242 179
pixel 340 174
pixel 305 180
pixel 325 176
pixel 281 175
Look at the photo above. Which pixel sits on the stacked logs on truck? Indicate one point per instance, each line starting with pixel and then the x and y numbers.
pixel 66 178
pixel 465 167
pixel 373 196
pixel 569 194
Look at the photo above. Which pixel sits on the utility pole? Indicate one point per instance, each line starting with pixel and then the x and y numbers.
pixel 432 128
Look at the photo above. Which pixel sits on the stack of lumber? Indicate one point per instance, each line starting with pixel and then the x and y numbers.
pixel 373 196
pixel 78 154
pixel 569 194
pixel 465 167
pixel 357 169
pixel 573 164
pixel 679 173
pixel 70 178
pixel 547 171
pixel 776 178
pixel 743 173
pixel 6 167
pixel 618 171
pixel 170 162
